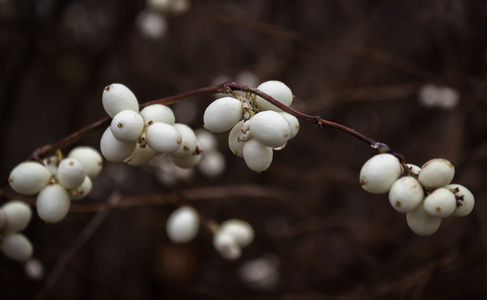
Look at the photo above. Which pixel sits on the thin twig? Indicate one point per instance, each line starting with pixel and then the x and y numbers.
pixel 227 88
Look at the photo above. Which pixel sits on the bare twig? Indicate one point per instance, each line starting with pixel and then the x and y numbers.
pixel 227 88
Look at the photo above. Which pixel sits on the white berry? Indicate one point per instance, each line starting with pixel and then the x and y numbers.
pixel 206 139
pixel 240 230
pixel 226 245
pixel 406 194
pixel 182 225
pixel 71 173
pixel 82 191
pixel 270 128
pixel 467 203
pixel 17 247
pixel 90 158
pixel 277 90
pixel 421 223
pixel 163 138
pixel 17 214
pixel 212 163
pixel 158 113
pixel 257 156
pixel 29 177
pixel 234 143
pixel 53 203
pixel 114 150
pixel 188 144
pixel 222 114
pixel 436 172
pixel 379 173
pixel 117 97
pixel 127 126
pixel 441 203
pixel 293 123
pixel 187 161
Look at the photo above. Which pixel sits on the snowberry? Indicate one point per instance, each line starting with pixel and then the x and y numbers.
pixel 379 173
pixel 206 139
pixel 440 203
pixel 293 123
pixel 90 158
pixel 17 247
pixel 234 142
pixel 158 113
pixel 222 114
pixel 183 224
pixel 270 128
pixel 141 156
pixel 51 163
pixel 406 194
pixel 240 230
pixel 422 223
pixel 277 90
pixel 17 215
pixel 261 274
pixel 212 163
pixel 466 201
pixel 187 161
pixel 163 138
pixel 34 269
pixel 114 150
pixel 127 126
pixel 53 203
pixel 71 173
pixel 117 97
pixel 436 172
pixel 257 156
pixel 151 24
pixel 226 244
pixel 29 177
pixel 414 169
pixel 188 144
pixel 82 191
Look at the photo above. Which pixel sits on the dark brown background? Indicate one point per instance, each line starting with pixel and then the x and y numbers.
pixel 360 63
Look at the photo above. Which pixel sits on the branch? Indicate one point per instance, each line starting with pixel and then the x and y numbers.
pixel 225 88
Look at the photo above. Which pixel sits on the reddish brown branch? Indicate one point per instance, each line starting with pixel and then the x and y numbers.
pixel 226 87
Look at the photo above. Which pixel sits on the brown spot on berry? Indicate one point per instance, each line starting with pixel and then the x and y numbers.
pixel 107 88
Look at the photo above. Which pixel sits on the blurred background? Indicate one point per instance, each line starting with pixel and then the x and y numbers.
pixel 411 74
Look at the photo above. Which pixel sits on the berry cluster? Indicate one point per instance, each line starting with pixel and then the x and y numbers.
pixel 58 181
pixel 264 126
pixel 426 195
pixel 229 237
pixel 137 137
pixel 15 215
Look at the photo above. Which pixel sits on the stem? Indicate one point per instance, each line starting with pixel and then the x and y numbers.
pixel 226 88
